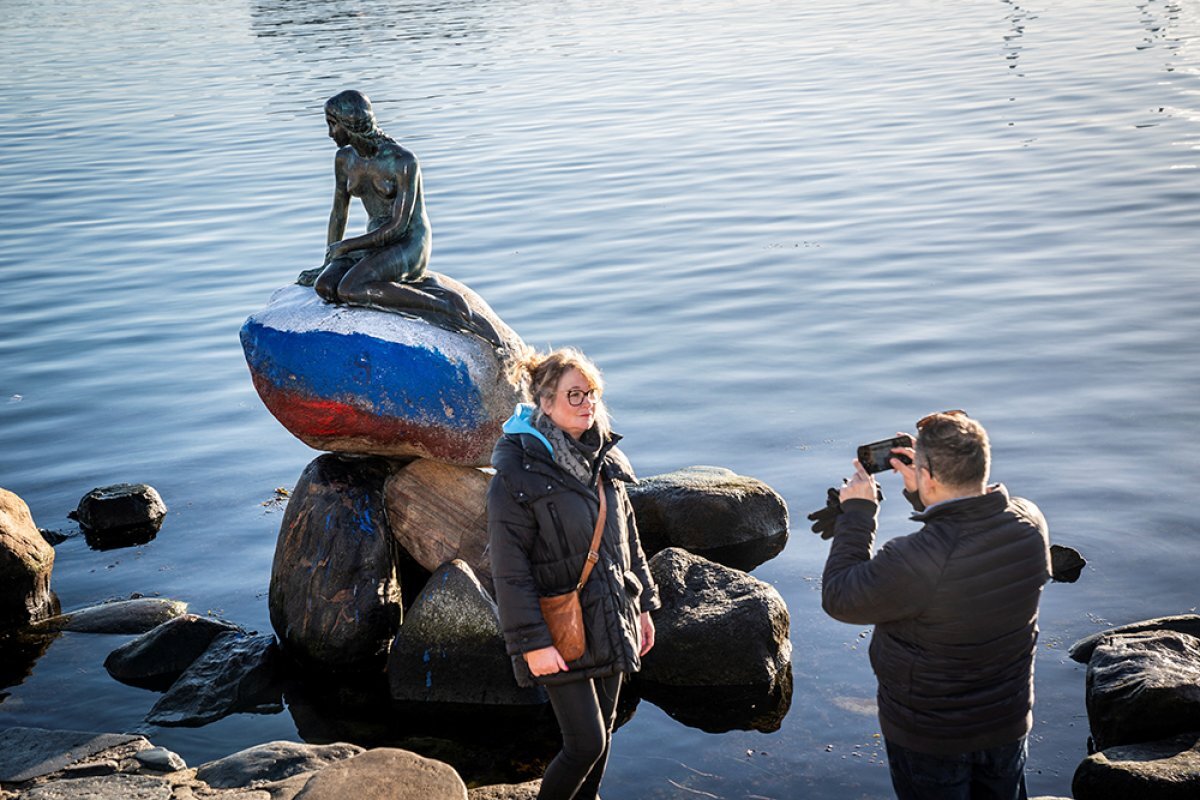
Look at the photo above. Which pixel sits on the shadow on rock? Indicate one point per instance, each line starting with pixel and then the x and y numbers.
pixel 485 743
pixel 718 709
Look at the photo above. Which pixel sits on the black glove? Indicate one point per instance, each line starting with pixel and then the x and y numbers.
pixel 825 519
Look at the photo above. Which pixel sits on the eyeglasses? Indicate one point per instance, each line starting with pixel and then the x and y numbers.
pixel 928 418
pixel 575 397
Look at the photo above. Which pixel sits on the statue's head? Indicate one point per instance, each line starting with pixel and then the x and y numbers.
pixel 351 111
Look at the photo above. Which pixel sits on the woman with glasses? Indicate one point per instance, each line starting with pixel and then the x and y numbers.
pixel 560 486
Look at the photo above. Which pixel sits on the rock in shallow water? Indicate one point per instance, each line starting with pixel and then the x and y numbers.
pixel 138 615
pixel 712 512
pixel 357 380
pixel 717 626
pixel 334 597
pixel 157 658
pixel 1142 687
pixel 120 515
pixel 1162 770
pixel 236 673
pixel 26 561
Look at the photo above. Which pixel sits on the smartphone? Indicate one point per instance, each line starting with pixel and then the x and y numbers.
pixel 876 456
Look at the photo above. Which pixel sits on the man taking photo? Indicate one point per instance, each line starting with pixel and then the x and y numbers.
pixel 955 609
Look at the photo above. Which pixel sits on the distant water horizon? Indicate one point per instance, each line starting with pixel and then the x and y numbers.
pixel 781 230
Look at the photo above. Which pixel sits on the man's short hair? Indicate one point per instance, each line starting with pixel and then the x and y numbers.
pixel 955 449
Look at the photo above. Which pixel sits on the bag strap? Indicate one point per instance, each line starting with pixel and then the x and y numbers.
pixel 594 551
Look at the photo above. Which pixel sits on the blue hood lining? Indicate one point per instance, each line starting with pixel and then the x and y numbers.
pixel 522 422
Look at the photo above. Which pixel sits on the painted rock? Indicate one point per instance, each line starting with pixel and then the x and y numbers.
pixel 359 380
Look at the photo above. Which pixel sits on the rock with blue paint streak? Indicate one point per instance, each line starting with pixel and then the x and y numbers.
pixel 360 380
pixel 334 597
pixel 450 648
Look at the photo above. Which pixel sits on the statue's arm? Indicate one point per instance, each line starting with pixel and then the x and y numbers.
pixel 341 204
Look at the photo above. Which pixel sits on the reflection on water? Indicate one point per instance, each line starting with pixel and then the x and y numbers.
pixel 781 229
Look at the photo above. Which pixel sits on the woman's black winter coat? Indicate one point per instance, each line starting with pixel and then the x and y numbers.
pixel 541 520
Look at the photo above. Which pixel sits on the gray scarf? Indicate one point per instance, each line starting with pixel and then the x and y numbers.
pixel 575 457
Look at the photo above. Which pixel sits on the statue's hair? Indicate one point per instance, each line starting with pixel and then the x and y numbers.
pixel 353 111
pixel 541 372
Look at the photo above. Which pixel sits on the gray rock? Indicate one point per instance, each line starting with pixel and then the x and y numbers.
pixel 1066 563
pixel 236 673
pixel 105 766
pixel 451 648
pixel 717 626
pixel 111 513
pixel 121 616
pixel 28 753
pixel 272 762
pixel 1162 770
pixel 288 788
pixel 1081 651
pixel 385 774
pixel 110 787
pixel 157 658
pixel 335 599
pixel 26 560
pixel 1142 687
pixel 712 512
pixel 506 791
pixel 161 759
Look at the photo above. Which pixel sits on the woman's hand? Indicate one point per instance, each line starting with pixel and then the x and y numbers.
pixel 647 627
pixel 546 661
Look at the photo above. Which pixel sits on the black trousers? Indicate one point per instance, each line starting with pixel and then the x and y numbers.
pixel 586 710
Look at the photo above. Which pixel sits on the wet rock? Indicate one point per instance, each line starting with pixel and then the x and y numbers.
pixel 26 560
pixel 1066 563
pixel 358 380
pixel 288 788
pixel 506 791
pixel 1161 770
pixel 272 762
pixel 109 787
pixel 1081 651
pixel 236 673
pixel 438 512
pixel 334 598
pixel 120 616
pixel 718 709
pixel 30 753
pixel 717 626
pixel 161 759
pixel 712 512
pixel 157 658
pixel 385 774
pixel 1142 687
pixel 451 648
pixel 120 515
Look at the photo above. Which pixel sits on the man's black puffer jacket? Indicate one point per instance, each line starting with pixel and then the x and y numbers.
pixel 541 521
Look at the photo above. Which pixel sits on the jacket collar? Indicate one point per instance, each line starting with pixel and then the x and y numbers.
pixel 520 425
pixel 994 500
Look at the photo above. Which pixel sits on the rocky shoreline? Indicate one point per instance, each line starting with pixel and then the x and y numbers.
pixel 40 764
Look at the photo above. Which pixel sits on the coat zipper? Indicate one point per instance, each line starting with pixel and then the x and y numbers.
pixel 558 526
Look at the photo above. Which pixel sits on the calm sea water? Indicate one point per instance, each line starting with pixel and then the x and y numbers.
pixel 782 229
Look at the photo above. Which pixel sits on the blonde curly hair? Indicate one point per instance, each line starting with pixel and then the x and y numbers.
pixel 541 372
